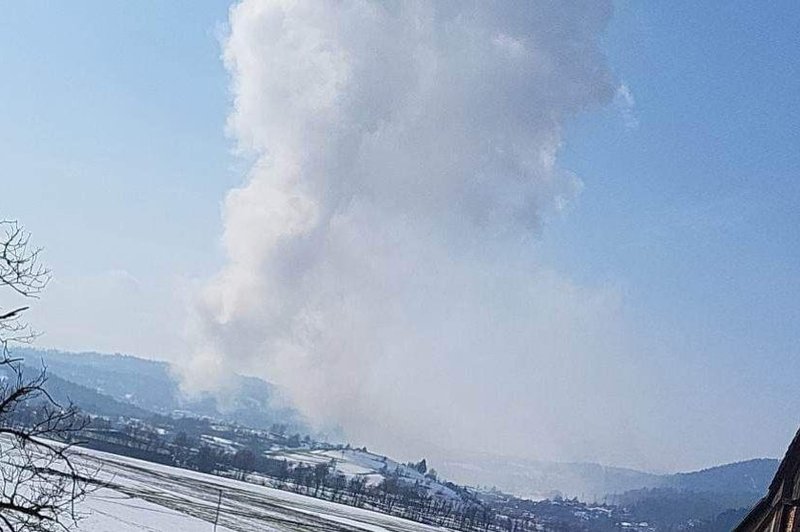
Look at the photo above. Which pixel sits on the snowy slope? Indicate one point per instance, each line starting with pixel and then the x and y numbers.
pixel 154 498
pixel 355 462
pixel 107 510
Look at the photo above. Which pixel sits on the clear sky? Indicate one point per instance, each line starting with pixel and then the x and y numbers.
pixel 115 155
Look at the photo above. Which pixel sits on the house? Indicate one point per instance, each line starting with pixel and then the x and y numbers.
pixel 779 510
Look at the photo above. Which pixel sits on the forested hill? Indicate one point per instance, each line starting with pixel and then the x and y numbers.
pixel 750 475
pixel 150 385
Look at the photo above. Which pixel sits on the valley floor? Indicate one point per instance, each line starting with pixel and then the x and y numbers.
pixel 142 496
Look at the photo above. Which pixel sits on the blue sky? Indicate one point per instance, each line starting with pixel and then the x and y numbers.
pixel 114 126
pixel 113 139
pixel 694 212
pixel 115 155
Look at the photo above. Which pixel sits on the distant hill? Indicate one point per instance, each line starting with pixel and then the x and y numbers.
pixel 720 496
pixel 753 476
pixel 540 479
pixel 588 481
pixel 713 499
pixel 151 386
pixel 65 392
pixel 671 509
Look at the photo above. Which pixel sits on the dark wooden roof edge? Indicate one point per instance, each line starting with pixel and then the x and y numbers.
pixel 787 465
pixel 755 513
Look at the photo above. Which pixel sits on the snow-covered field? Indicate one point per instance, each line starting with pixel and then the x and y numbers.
pixel 153 498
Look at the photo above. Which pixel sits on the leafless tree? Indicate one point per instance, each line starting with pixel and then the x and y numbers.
pixel 41 481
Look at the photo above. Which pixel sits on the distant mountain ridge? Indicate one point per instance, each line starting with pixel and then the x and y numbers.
pixel 64 392
pixel 720 496
pixel 747 476
pixel 747 480
pixel 541 479
pixel 151 386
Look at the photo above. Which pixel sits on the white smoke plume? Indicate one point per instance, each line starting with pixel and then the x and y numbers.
pixel 381 252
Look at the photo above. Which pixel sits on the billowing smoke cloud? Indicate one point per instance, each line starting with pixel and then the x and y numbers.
pixel 381 253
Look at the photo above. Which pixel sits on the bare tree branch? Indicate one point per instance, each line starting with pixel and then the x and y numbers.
pixel 39 478
pixel 20 268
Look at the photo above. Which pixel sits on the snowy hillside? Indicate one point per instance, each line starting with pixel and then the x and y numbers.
pixel 373 467
pixel 142 496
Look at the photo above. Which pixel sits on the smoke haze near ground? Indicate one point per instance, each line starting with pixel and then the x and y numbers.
pixel 381 252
